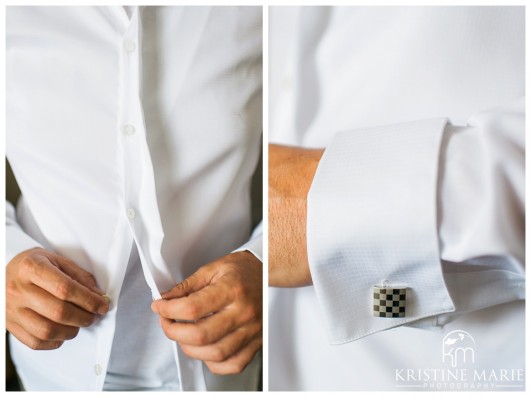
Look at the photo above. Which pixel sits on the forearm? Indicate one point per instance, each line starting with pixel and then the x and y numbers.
pixel 291 171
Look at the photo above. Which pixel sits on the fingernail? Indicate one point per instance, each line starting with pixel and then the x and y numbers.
pixel 154 307
pixel 104 308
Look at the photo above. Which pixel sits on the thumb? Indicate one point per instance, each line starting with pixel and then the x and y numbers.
pixel 195 282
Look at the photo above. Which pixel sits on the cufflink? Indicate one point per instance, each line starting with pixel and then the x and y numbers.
pixel 389 302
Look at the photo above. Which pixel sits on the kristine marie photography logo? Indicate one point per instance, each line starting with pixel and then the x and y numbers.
pixel 458 346
pixel 460 369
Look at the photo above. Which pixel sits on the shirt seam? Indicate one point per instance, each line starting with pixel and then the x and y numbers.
pixel 399 323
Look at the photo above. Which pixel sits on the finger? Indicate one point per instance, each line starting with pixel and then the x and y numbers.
pixel 200 279
pixel 197 334
pixel 29 340
pixel 60 285
pixel 210 329
pixel 61 312
pixel 199 304
pixel 194 334
pixel 77 273
pixel 237 363
pixel 44 329
pixel 226 347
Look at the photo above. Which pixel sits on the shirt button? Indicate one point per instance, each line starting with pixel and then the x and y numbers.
pixel 128 129
pixel 129 45
pixel 97 370
pixel 130 213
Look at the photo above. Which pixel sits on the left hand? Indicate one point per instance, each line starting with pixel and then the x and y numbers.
pixel 222 304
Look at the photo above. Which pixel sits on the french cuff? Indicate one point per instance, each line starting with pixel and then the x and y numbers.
pixel 372 222
pixel 17 240
pixel 255 244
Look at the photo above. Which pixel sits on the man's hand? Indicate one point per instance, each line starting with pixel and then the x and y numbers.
pixel 48 298
pixel 220 309
pixel 291 172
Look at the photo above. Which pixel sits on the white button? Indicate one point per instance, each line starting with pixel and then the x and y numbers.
pixel 128 129
pixel 129 45
pixel 97 369
pixel 130 213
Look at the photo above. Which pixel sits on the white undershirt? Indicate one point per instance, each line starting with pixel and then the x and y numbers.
pixel 141 356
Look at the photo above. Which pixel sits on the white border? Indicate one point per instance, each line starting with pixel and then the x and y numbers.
pixel 265 4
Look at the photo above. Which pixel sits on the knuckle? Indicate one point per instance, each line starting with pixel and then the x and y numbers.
pixel 249 313
pixel 217 354
pixel 91 304
pixel 64 290
pixel 199 337
pixel 46 331
pixel 239 291
pixel 191 311
pixel 228 368
pixel 33 256
pixel 59 313
pixel 35 344
pixel 215 368
pixel 236 367
pixel 183 286
pixel 27 264
pixel 186 349
pixel 89 320
pixel 12 288
pixel 73 334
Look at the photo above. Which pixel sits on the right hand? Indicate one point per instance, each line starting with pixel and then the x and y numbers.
pixel 48 298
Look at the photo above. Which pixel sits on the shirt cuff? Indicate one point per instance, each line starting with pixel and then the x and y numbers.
pixel 372 220
pixel 255 244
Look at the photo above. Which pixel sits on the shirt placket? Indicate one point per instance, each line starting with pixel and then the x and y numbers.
pixel 132 141
pixel 140 204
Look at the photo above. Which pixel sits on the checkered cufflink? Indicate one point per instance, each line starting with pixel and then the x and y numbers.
pixel 389 302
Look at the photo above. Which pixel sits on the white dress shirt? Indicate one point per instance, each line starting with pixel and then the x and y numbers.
pixel 421 186
pixel 140 129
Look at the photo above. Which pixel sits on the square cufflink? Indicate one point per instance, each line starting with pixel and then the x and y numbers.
pixel 389 302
